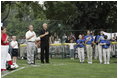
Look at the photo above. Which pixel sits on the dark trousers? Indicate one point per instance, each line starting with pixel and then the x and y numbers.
pixel 45 53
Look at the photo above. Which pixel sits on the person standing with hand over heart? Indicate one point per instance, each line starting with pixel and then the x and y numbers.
pixel 44 35
pixel 30 37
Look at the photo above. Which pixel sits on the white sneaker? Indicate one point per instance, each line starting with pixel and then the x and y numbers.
pixel 16 66
pixel 89 62
pixel 22 58
pixel 105 63
pixel 12 66
pixel 108 63
pixel 72 58
pixel 100 62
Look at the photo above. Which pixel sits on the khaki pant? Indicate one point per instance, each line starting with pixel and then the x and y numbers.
pixel 30 52
pixel 89 53
pixel 106 55
pixel 81 54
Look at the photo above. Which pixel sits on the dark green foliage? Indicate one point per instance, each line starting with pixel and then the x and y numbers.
pixel 74 15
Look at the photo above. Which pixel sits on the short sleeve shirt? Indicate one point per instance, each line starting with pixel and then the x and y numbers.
pixel 29 33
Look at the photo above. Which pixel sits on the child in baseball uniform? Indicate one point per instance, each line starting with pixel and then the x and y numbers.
pixel 89 41
pixel 106 50
pixel 80 48
pixel 99 47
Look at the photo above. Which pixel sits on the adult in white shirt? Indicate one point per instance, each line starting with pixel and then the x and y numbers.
pixel 30 37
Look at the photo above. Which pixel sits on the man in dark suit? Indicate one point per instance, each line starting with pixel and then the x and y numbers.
pixel 44 35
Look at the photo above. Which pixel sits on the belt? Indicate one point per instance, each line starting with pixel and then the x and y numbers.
pixel 105 48
pixel 81 47
pixel 30 41
pixel 88 44
pixel 15 48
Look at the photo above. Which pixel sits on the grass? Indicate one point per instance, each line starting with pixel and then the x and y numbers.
pixel 66 68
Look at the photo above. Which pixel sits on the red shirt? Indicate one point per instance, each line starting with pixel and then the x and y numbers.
pixel 3 38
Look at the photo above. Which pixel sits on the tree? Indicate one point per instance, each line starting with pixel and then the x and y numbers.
pixel 84 14
pixel 74 15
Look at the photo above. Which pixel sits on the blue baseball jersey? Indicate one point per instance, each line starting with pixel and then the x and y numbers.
pixel 89 39
pixel 99 38
pixel 107 45
pixel 80 42
pixel 96 38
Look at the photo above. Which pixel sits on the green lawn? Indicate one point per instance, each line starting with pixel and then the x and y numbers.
pixel 66 68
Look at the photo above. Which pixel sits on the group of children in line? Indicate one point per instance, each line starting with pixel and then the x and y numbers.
pixel 101 43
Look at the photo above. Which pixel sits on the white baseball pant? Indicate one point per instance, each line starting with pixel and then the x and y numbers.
pixel 81 54
pixel 106 55
pixel 4 54
pixel 89 53
pixel 100 54
pixel 96 52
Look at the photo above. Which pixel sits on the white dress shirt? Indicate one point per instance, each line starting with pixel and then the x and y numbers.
pixel 29 34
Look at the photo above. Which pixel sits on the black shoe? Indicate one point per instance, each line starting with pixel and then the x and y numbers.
pixel 81 62
pixel 42 62
pixel 32 63
pixel 29 63
pixel 47 62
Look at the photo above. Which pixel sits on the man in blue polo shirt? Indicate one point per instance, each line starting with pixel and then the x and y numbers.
pixel 80 48
pixel 89 41
pixel 106 49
